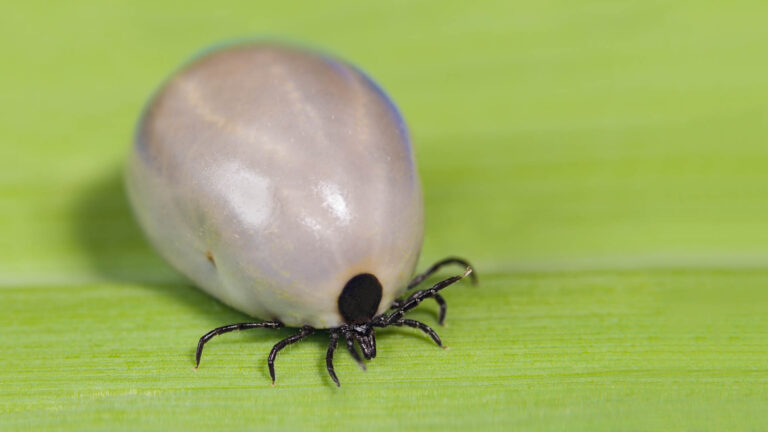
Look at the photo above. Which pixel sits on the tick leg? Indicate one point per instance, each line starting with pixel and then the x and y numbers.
pixel 417 297
pixel 438 298
pixel 304 332
pixel 443 308
pixel 398 303
pixel 226 329
pixel 329 356
pixel 436 266
pixel 351 348
pixel 421 326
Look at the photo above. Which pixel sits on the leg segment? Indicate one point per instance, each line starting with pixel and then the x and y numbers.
pixel 304 332
pixel 438 298
pixel 443 308
pixel 436 266
pixel 350 339
pixel 226 329
pixel 329 356
pixel 421 326
pixel 398 303
pixel 418 297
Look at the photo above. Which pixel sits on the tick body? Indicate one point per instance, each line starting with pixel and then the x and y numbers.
pixel 282 182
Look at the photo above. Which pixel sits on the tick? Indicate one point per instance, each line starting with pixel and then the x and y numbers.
pixel 282 182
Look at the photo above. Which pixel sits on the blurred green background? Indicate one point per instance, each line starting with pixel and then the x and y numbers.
pixel 603 164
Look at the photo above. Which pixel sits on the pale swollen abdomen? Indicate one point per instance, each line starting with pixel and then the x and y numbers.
pixel 271 176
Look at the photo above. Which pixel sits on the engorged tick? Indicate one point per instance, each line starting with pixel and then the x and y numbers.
pixel 295 171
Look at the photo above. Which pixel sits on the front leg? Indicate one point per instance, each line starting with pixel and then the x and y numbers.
pixel 417 297
pixel 438 298
pixel 419 278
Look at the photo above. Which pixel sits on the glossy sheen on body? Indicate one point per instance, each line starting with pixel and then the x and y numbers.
pixel 272 175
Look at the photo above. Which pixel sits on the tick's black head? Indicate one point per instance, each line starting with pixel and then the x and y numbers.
pixel 360 298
